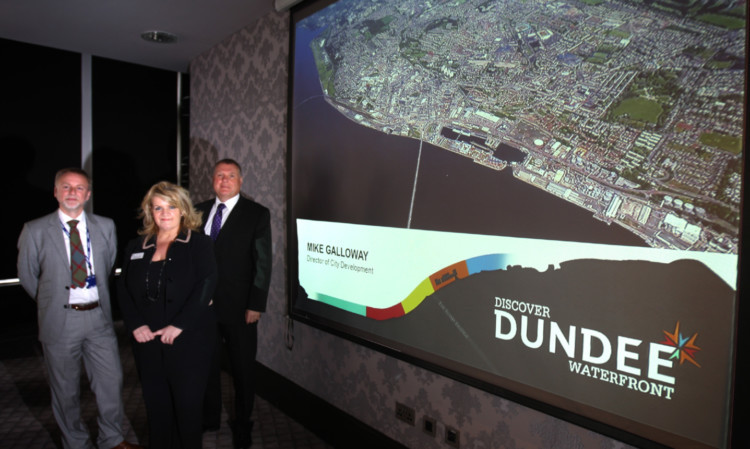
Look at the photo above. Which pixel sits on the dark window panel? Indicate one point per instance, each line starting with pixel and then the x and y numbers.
pixel 40 132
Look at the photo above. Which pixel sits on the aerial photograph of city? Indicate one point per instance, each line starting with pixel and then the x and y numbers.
pixel 631 110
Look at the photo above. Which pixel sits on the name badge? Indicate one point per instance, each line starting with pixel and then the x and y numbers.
pixel 136 256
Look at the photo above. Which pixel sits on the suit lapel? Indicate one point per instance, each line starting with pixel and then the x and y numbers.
pixel 54 231
pixel 98 244
pixel 234 219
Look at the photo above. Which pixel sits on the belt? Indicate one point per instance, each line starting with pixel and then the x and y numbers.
pixel 83 307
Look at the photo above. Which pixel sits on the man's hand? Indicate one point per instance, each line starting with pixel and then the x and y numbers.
pixel 251 316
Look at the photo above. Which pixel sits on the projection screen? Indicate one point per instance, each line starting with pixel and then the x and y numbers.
pixel 541 198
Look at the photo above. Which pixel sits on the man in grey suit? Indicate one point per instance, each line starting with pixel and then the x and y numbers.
pixel 70 284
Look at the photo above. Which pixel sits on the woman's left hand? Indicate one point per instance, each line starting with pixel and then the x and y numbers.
pixel 169 334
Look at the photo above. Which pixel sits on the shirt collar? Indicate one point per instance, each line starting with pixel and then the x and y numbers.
pixel 182 237
pixel 230 203
pixel 65 218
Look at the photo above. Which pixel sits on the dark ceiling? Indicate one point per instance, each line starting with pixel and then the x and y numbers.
pixel 112 29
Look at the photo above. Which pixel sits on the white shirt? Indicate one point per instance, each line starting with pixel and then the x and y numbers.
pixel 87 294
pixel 230 203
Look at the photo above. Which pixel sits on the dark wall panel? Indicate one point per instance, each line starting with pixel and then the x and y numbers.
pixel 134 137
pixel 134 116
pixel 40 131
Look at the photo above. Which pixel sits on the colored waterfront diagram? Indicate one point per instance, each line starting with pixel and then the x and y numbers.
pixel 631 110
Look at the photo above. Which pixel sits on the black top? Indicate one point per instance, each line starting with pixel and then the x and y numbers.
pixel 155 281
pixel 188 280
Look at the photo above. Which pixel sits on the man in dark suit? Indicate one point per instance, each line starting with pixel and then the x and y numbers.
pixel 65 260
pixel 241 231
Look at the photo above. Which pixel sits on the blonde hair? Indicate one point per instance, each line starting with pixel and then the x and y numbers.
pixel 175 196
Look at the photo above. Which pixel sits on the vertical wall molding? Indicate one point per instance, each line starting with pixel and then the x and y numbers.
pixel 179 129
pixel 87 156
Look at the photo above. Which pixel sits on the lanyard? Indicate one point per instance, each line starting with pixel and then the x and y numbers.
pixel 88 245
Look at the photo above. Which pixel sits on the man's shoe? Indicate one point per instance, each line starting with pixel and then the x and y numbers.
pixel 126 445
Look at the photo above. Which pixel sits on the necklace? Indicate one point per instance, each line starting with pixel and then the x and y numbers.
pixel 157 293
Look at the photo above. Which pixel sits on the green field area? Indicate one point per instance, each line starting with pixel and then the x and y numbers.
pixel 638 109
pixel 717 65
pixel 732 144
pixel 375 27
pixel 325 72
pixel 728 22
pixel 700 52
pixel 597 58
pixel 619 33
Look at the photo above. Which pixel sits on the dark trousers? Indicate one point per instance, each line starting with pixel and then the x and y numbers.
pixel 173 379
pixel 241 343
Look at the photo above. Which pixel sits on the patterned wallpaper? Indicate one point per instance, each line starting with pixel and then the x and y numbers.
pixel 238 110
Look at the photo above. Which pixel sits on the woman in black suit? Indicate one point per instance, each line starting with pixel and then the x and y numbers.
pixel 165 289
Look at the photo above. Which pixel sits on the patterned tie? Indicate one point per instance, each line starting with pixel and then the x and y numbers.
pixel 216 224
pixel 77 256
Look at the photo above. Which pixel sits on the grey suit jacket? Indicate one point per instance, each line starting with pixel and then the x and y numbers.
pixel 44 270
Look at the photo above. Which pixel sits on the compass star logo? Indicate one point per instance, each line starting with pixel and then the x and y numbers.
pixel 685 347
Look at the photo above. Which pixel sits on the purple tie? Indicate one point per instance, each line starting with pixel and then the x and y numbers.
pixel 216 224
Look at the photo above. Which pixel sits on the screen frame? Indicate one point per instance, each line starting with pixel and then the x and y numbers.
pixel 426 361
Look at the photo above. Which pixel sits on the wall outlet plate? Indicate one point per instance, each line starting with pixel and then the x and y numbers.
pixel 429 425
pixel 405 413
pixel 452 437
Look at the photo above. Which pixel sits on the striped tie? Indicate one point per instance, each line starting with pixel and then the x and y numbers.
pixel 77 256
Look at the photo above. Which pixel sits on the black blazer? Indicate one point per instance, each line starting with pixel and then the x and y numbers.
pixel 190 274
pixel 243 255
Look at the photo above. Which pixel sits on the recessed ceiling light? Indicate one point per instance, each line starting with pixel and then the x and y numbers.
pixel 159 37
